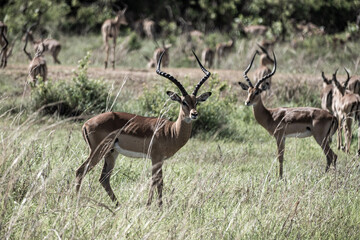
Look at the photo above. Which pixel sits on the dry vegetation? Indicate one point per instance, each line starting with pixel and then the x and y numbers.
pixel 222 185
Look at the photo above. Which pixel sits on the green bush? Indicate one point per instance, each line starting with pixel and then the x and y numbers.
pixel 80 95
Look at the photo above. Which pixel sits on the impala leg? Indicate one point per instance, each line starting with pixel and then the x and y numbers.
pixel 114 46
pixel 107 48
pixel 339 134
pixel 348 134
pixel 157 181
pixel 280 141
pixel 324 143
pixel 106 174
pixel 93 159
pixel 55 55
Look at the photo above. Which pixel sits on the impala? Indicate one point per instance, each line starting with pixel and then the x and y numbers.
pixel 298 122
pixel 149 28
pixel 254 30
pixel 223 49
pixel 159 51
pixel 4 44
pixel 326 93
pixel 263 69
pixel 346 106
pixel 351 83
pixel 110 29
pixel 111 133
pixel 37 66
pixel 207 57
pixel 52 46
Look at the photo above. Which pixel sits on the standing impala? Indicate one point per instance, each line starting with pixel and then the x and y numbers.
pixel 111 133
pixel 110 29
pixel 263 69
pixel 3 44
pixel 326 93
pixel 291 122
pixel 346 106
pixel 52 46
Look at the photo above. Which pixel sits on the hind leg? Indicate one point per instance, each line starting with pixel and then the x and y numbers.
pixel 114 46
pixel 106 174
pixel 339 134
pixel 331 157
pixel 107 48
pixel 348 134
pixel 96 154
pixel 55 56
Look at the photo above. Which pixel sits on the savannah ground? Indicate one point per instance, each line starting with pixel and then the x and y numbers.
pixel 222 184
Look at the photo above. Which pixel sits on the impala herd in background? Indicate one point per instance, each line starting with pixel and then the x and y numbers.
pixel 112 133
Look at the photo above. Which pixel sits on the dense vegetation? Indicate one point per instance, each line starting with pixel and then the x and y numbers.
pixel 82 16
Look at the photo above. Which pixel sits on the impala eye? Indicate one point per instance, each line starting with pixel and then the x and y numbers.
pixel 185 104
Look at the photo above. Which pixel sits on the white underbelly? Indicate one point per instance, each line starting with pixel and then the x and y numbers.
pixel 128 153
pixel 299 134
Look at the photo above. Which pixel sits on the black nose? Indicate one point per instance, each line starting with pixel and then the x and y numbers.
pixel 194 115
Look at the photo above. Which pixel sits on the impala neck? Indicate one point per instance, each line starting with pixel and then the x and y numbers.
pixel 181 129
pixel 262 114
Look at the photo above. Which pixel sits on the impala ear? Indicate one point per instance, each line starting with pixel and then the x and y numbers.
pixel 243 86
pixel 203 97
pixel 173 96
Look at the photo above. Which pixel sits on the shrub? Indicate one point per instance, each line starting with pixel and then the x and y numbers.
pixel 80 95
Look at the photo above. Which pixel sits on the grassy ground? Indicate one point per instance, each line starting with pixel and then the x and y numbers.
pixel 215 187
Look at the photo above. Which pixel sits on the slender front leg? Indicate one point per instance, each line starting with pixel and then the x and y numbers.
pixel 107 48
pixel 157 181
pixel 280 141
pixel 339 133
pixel 348 134
pixel 114 42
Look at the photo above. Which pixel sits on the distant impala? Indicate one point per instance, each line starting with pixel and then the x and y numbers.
pixel 113 133
pixel 110 29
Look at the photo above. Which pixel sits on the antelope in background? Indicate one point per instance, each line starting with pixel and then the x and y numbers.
pixel 149 28
pixel 156 56
pixel 37 66
pixel 4 44
pixel 113 133
pixel 254 30
pixel 352 84
pixel 263 69
pixel 52 46
pixel 207 57
pixel 326 93
pixel 346 106
pixel 298 122
pixel 223 49
pixel 110 29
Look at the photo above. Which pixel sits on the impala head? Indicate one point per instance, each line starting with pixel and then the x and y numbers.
pixel 254 92
pixel 120 16
pixel 338 85
pixel 188 102
pixel 265 58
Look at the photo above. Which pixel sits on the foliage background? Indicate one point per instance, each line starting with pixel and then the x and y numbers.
pixel 79 16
